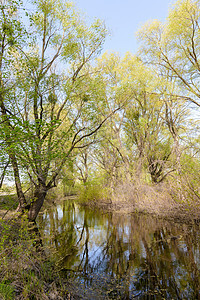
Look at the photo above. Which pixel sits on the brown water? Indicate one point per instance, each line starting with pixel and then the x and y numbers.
pixel 115 256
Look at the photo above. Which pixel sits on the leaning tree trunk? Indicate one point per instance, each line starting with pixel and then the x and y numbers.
pixel 20 193
pixel 37 202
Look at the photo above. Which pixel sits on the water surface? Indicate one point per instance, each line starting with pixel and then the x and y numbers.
pixel 115 256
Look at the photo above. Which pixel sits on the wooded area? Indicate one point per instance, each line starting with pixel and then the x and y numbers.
pixel 72 117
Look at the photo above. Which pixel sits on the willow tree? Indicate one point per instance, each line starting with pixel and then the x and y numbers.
pixel 137 135
pixel 147 137
pixel 173 50
pixel 44 106
pixel 173 47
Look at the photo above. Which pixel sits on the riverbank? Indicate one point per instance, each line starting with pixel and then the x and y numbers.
pixel 122 256
pixel 27 272
pixel 159 201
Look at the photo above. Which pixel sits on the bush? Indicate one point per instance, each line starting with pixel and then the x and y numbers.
pixel 93 191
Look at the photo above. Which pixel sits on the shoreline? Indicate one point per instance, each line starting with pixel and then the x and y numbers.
pixel 177 212
pixel 170 209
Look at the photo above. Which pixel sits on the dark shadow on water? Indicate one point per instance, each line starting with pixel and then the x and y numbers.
pixel 114 256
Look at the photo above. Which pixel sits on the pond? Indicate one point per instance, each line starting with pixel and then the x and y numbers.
pixel 122 256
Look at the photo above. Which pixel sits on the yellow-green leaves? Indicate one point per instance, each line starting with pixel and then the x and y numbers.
pixel 173 48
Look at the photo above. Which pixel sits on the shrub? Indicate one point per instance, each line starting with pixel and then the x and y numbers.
pixel 93 191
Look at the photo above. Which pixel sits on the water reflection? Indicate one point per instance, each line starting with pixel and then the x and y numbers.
pixel 114 256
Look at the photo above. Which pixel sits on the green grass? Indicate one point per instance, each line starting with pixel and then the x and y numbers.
pixel 6 291
pixel 8 202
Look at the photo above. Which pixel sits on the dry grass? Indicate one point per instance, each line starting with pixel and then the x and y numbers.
pixel 162 200
pixel 26 273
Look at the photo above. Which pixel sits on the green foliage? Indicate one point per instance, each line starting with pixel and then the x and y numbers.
pixel 173 48
pixel 6 291
pixel 191 176
pixel 41 112
pixel 93 191
pixel 52 114
pixel 8 202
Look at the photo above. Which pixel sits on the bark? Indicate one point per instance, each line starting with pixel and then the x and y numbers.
pixel 38 200
pixel 20 194
pixel 12 158
pixel 4 173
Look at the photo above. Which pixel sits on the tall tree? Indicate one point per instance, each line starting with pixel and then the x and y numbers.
pixel 44 107
pixel 137 135
pixel 11 37
pixel 173 48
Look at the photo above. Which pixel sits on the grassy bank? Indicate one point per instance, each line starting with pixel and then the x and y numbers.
pixel 27 272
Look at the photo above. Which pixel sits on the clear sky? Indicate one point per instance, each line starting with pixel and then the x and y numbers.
pixel 124 18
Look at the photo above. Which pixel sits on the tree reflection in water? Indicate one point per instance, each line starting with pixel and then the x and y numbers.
pixel 114 256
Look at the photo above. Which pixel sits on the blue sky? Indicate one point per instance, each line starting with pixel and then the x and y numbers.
pixel 124 18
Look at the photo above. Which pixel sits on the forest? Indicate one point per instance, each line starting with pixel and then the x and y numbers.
pixel 121 131
pixel 70 116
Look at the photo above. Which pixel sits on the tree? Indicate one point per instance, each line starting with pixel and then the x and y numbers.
pixel 137 134
pixel 109 154
pixel 144 124
pixel 173 48
pixel 50 71
pixel 11 37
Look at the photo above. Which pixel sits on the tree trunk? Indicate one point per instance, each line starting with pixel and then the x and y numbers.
pixel 12 157
pixel 3 174
pixel 37 202
pixel 20 194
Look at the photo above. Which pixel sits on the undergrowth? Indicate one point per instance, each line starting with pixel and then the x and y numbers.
pixel 93 191
pixel 26 272
pixel 8 202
